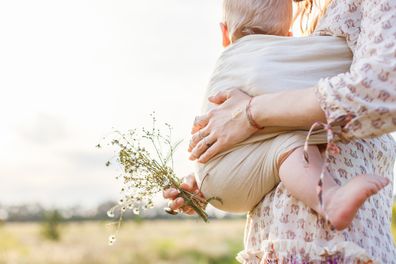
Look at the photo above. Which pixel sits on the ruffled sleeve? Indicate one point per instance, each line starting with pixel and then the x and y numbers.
pixel 364 99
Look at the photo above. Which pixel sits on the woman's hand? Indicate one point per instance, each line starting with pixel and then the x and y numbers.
pixel 177 203
pixel 222 127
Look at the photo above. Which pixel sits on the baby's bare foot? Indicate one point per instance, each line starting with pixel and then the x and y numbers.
pixel 342 203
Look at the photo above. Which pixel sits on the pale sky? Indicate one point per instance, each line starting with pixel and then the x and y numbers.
pixel 72 70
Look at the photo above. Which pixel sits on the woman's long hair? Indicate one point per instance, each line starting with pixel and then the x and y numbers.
pixel 309 13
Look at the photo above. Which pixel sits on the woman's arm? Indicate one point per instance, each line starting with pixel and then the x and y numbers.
pixel 228 125
pixel 368 91
pixel 298 109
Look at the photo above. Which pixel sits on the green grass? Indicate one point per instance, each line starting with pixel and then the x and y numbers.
pixel 393 228
pixel 162 242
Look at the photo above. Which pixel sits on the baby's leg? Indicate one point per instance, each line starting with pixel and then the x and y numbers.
pixel 341 203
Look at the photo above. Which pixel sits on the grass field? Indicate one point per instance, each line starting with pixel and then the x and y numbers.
pixel 147 242
pixel 162 242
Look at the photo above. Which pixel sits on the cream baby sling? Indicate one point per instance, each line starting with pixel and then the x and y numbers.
pixel 259 64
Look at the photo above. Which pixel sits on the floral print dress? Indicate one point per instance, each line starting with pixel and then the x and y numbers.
pixel 282 229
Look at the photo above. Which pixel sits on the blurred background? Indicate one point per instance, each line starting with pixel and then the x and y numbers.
pixel 71 72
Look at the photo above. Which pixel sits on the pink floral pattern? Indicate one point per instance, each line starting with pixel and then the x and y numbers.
pixel 368 91
pixel 283 230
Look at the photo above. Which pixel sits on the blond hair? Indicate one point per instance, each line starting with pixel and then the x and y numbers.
pixel 272 17
pixel 309 12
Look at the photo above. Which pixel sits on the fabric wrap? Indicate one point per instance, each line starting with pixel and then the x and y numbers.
pixel 260 64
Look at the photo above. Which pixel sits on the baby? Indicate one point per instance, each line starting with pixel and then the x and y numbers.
pixel 261 58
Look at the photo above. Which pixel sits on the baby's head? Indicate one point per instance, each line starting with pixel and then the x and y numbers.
pixel 247 17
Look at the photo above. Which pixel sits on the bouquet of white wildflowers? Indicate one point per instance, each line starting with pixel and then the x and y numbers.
pixel 146 171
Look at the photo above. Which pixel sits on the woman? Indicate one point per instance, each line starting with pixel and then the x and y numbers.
pixel 363 101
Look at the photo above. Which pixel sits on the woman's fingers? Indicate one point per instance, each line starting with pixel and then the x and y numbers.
pixel 189 183
pixel 180 205
pixel 220 97
pixel 170 193
pixel 176 204
pixel 188 211
pixel 199 123
pixel 226 121
pixel 202 146
pixel 197 137
pixel 210 152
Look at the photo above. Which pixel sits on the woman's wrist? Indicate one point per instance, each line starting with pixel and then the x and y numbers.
pixel 258 110
pixel 297 108
pixel 250 117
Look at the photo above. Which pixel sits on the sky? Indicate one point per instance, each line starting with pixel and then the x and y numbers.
pixel 72 71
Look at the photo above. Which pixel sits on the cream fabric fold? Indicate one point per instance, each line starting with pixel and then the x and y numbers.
pixel 259 64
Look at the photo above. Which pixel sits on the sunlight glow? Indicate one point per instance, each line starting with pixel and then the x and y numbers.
pixel 71 71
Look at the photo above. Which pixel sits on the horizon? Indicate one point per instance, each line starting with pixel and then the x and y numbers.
pixel 72 71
